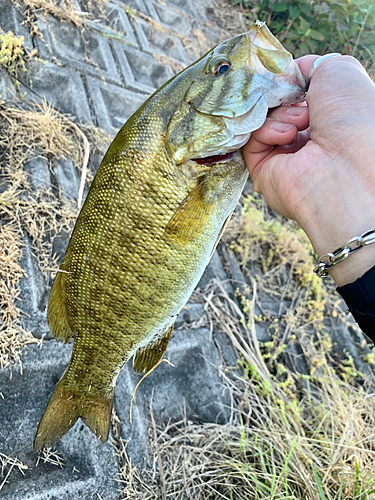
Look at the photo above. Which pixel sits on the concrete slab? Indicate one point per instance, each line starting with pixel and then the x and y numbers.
pixel 155 41
pixel 61 87
pixel 89 467
pixel 8 90
pixel 67 178
pixel 141 72
pixel 33 297
pixel 113 105
pixel 192 388
pixel 39 173
pixel 195 11
pixel 11 20
pixel 115 24
pixel 81 48
pixel 170 18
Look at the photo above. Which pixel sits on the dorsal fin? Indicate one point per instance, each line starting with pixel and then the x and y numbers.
pixel 147 357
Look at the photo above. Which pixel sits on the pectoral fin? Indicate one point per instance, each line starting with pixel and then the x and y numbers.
pixel 190 217
pixel 57 314
pixel 149 356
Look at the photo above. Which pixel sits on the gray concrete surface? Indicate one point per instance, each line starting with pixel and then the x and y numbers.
pixel 88 467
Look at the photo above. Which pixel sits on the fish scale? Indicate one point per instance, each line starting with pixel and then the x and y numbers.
pixel 155 211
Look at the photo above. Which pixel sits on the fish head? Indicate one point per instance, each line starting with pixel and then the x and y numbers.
pixel 231 91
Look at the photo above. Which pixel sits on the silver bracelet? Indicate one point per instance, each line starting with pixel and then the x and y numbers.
pixel 331 259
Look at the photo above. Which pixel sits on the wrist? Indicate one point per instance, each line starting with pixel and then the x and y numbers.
pixel 354 267
pixel 356 264
pixel 338 208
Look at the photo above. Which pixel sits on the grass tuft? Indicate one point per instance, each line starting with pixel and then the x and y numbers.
pixel 313 441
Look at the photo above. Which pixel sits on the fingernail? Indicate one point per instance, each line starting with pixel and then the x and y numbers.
pixel 282 127
pixel 296 110
pixel 316 63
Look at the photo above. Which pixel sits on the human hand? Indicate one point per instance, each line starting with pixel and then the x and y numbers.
pixel 316 163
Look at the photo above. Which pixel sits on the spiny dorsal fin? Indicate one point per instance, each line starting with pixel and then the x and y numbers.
pixel 149 356
pixel 57 314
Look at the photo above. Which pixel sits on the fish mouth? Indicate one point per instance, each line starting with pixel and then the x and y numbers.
pixel 274 68
pixel 239 130
pixel 267 57
pixel 210 160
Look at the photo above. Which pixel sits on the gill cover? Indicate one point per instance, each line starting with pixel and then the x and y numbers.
pixel 241 79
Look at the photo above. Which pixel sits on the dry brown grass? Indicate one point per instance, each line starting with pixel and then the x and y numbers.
pixel 27 133
pixel 12 336
pixel 7 464
pixel 51 457
pixel 292 437
pixel 64 10
pixel 10 463
pixel 41 214
pixel 226 17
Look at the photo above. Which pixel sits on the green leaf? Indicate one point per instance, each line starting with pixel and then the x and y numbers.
pixel 280 7
pixel 305 9
pixel 303 49
pixel 341 483
pixel 304 25
pixel 360 2
pixel 318 484
pixel 294 11
pixel 313 46
pixel 316 35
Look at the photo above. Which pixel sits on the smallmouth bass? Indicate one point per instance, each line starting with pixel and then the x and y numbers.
pixel 155 212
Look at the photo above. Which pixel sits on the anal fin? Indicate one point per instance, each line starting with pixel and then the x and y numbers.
pixel 57 314
pixel 147 357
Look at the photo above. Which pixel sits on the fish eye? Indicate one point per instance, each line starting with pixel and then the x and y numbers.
pixel 221 66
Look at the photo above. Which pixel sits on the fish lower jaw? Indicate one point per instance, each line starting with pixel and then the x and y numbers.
pixel 224 153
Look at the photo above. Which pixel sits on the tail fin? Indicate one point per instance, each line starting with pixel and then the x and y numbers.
pixel 64 409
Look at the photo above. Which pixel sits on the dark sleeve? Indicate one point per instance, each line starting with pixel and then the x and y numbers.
pixel 360 299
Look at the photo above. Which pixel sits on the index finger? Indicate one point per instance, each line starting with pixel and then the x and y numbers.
pixel 305 63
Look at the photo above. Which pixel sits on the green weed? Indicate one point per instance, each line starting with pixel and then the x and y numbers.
pixel 306 26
